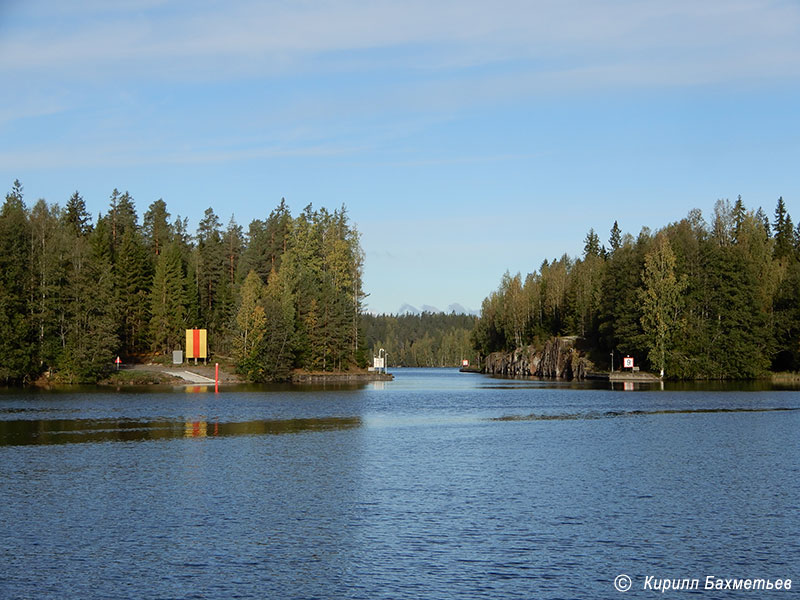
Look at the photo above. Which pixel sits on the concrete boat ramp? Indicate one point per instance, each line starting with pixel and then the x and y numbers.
pixel 190 377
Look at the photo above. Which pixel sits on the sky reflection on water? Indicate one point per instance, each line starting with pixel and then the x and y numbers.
pixel 436 485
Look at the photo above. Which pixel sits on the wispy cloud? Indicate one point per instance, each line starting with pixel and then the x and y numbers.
pixel 222 40
pixel 346 76
pixel 466 160
pixel 125 155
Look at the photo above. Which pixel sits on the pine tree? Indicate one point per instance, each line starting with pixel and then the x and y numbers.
pixel 121 217
pixel 233 242
pixel 210 261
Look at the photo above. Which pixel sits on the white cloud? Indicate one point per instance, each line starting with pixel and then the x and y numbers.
pixel 127 155
pixel 341 76
pixel 220 40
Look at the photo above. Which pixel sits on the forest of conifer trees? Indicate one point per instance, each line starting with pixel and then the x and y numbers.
pixel 75 294
pixel 698 299
pixel 714 299
pixel 424 340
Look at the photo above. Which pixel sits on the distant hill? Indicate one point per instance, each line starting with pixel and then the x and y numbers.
pixel 426 339
pixel 409 309
pixel 460 310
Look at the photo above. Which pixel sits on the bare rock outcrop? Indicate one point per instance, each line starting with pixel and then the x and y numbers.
pixel 559 358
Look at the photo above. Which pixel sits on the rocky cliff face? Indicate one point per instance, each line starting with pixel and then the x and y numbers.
pixel 558 359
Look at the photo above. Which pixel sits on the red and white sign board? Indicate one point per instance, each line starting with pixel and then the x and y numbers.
pixel 627 362
pixel 465 362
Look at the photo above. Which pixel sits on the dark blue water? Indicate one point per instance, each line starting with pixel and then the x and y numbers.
pixel 436 485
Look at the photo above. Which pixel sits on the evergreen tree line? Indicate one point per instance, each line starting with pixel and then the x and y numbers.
pixel 76 294
pixel 694 300
pixel 424 340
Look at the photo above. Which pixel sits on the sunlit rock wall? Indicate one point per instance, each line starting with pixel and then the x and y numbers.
pixel 559 358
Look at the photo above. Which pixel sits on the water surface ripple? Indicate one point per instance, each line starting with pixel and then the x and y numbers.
pixel 436 485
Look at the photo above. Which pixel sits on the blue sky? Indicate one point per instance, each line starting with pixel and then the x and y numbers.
pixel 465 138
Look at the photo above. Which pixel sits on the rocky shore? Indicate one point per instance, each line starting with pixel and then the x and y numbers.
pixel 358 377
pixel 559 358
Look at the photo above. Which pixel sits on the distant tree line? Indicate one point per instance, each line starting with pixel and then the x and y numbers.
pixel 75 294
pixel 716 299
pixel 424 340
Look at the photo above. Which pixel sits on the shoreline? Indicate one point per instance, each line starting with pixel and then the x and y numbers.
pixel 139 375
pixel 343 377
pixel 156 375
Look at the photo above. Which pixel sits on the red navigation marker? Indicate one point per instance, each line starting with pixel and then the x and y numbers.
pixel 118 361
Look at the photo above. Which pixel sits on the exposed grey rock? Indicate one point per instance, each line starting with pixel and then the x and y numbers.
pixel 559 358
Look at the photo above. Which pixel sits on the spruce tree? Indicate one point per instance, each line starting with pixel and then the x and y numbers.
pixel 762 218
pixel 784 232
pixel 735 331
pixel 210 267
pixel 133 277
pixel 18 348
pixel 591 244
pixel 615 241
pixel 91 342
pixel 156 229
pixel 168 301
pixel 620 309
pixel 75 215
pixel 739 214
